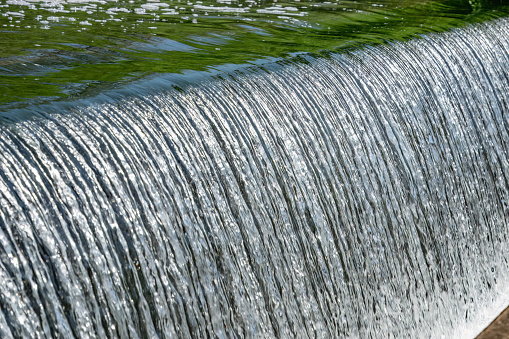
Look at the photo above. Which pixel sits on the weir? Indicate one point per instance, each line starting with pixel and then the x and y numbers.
pixel 363 194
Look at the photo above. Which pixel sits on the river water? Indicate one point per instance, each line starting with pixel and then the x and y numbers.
pixel 361 194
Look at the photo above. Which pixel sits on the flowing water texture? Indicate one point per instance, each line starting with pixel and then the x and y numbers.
pixel 362 195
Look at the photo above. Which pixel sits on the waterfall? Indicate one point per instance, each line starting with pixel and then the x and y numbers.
pixel 362 194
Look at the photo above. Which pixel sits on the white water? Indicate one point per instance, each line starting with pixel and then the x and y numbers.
pixel 365 195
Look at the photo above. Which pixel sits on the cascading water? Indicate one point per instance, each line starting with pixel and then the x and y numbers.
pixel 360 195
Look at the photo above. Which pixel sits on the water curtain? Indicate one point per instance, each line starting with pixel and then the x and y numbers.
pixel 363 194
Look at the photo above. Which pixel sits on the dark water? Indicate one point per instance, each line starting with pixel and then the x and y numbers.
pixel 356 195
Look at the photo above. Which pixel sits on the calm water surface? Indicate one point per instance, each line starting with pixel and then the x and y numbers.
pixel 51 50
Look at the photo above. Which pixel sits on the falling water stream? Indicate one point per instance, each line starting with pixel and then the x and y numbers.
pixel 363 194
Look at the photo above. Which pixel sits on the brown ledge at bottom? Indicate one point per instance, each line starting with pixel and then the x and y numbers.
pixel 498 329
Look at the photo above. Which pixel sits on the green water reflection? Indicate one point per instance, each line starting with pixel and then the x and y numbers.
pixel 67 49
